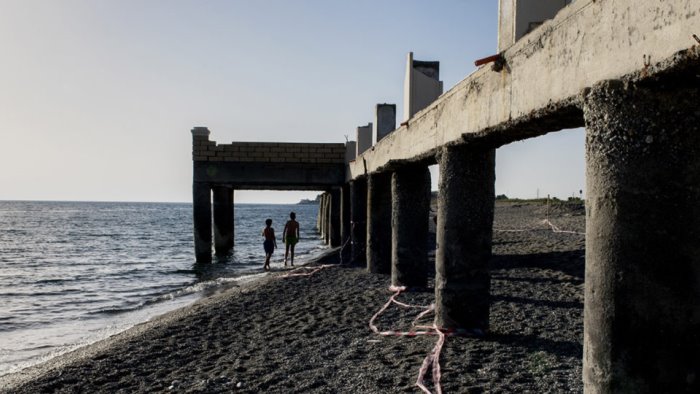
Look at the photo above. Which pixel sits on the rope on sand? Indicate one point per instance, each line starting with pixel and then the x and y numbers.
pixel 433 358
pixel 547 222
pixel 557 230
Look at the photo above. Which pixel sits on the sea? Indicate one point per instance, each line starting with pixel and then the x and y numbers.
pixel 73 273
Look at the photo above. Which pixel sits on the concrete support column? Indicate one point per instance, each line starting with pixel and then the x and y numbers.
pixel 223 220
pixel 642 288
pixel 318 214
pixel 379 223
pixel 327 220
pixel 322 216
pixel 334 217
pixel 358 213
pixel 465 220
pixel 345 215
pixel 410 212
pixel 201 213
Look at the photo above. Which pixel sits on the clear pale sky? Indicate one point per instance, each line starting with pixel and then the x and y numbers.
pixel 97 98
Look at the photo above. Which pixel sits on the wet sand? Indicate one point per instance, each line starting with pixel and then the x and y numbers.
pixel 310 334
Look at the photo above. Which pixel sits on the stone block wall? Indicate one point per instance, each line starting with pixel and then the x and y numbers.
pixel 267 152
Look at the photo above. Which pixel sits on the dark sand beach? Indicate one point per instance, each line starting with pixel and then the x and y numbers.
pixel 311 334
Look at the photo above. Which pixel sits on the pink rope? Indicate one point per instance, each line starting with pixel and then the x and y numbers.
pixel 553 227
pixel 433 358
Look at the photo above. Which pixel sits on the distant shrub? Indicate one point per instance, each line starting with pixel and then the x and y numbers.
pixel 501 197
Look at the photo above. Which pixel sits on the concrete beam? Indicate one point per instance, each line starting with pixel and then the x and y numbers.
pixel 642 288
pixel 270 176
pixel 538 90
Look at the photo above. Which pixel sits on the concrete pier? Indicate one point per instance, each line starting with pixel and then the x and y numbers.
pixel 323 221
pixel 358 213
pixel 201 213
pixel 379 223
pixel 465 220
pixel 334 217
pixel 345 219
pixel 223 220
pixel 642 294
pixel 410 189
pixel 327 219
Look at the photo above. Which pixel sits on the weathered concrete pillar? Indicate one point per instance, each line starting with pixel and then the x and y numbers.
pixel 345 216
pixel 379 223
pixel 358 213
pixel 201 212
pixel 223 220
pixel 410 189
pixel 318 215
pixel 327 219
pixel 322 216
pixel 642 288
pixel 465 219
pixel 334 217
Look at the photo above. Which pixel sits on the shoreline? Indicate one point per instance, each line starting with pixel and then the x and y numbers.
pixel 311 334
pixel 245 282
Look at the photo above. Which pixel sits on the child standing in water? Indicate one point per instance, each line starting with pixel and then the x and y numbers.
pixel 290 236
pixel 270 243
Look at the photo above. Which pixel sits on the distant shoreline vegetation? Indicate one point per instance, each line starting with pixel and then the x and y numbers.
pixel 306 201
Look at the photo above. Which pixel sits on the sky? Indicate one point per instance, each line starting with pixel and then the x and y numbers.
pixel 98 97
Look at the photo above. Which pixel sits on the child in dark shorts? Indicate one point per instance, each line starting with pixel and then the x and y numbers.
pixel 270 242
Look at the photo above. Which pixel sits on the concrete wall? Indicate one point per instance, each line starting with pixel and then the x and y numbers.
pixel 422 85
pixel 364 138
pixel 546 72
pixel 384 120
pixel 272 152
pixel 519 17
pixel 267 165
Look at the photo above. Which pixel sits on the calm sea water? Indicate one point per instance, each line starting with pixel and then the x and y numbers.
pixel 72 273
